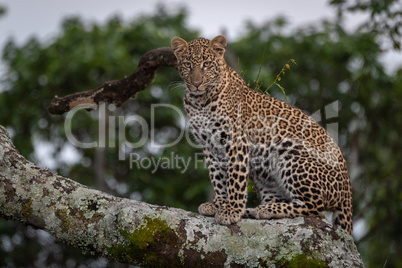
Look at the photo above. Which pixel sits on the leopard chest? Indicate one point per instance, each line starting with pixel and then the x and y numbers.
pixel 211 130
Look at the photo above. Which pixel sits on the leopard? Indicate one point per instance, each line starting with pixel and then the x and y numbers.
pixel 248 137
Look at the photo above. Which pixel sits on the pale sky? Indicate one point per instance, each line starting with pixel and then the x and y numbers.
pixel 42 18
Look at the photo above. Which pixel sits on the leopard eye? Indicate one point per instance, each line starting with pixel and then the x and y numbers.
pixel 187 64
pixel 207 64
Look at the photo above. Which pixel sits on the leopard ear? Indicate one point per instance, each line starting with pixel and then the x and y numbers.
pixel 218 44
pixel 179 46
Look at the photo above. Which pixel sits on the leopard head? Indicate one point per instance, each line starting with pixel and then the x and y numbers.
pixel 200 62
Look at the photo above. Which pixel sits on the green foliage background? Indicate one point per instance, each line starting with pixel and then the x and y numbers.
pixel 332 65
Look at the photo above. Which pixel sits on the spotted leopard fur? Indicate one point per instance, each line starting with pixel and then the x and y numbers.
pixel 295 166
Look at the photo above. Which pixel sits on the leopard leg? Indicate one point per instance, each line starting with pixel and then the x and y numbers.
pixel 296 208
pixel 284 197
pixel 235 206
pixel 343 217
pixel 271 197
pixel 218 177
pixel 266 192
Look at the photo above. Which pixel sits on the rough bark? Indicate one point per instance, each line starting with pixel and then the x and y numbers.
pixel 118 91
pixel 145 235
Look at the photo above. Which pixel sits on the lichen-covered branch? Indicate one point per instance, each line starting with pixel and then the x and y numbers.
pixel 118 91
pixel 134 232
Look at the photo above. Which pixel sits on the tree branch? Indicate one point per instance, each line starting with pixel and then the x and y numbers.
pixel 153 236
pixel 118 91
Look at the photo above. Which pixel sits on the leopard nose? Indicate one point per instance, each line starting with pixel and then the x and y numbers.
pixel 197 84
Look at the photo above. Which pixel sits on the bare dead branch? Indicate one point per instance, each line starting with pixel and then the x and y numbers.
pixel 118 91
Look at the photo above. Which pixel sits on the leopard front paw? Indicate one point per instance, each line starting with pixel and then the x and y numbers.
pixel 227 215
pixel 207 209
pixel 262 212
